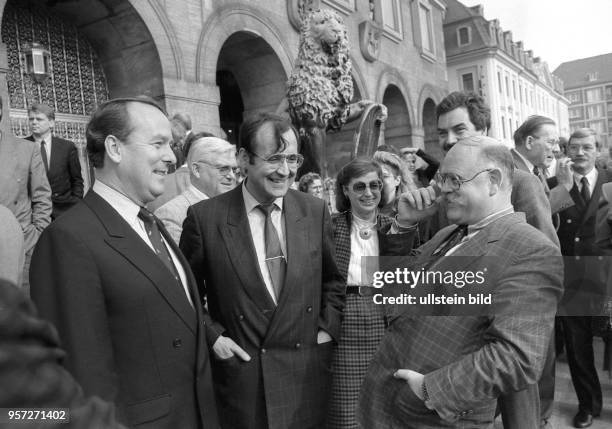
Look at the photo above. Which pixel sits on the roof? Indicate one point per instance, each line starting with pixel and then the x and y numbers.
pixel 576 73
pixel 456 11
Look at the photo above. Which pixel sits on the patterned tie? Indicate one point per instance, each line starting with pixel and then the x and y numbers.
pixel 43 154
pixel 275 260
pixel 150 224
pixel 453 239
pixel 585 193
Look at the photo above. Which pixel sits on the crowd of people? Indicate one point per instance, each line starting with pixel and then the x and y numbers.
pixel 199 284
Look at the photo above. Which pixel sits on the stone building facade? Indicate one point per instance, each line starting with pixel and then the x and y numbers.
pixel 482 57
pixel 217 60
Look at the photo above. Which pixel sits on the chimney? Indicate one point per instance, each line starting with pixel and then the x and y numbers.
pixel 478 10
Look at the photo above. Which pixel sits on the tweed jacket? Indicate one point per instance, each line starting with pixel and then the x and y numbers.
pixel 389 244
pixel 11 247
pixel 24 188
pixel 64 174
pixel 469 360
pixel 173 213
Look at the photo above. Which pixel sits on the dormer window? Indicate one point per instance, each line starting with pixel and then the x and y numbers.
pixel 464 36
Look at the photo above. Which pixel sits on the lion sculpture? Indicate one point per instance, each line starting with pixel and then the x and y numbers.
pixel 320 88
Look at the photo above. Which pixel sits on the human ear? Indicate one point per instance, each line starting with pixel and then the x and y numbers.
pixel 113 148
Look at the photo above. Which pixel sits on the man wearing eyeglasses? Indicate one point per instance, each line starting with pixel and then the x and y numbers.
pixel 212 171
pixel 432 371
pixel 263 256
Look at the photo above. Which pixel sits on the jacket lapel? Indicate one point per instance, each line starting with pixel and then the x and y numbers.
pixel 125 241
pixel 591 208
pixel 239 244
pixel 55 155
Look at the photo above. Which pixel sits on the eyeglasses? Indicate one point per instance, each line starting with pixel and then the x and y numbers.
pixel 277 159
pixel 453 181
pixel 374 185
pixel 223 170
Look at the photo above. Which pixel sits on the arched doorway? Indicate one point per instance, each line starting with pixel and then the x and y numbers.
pixel 98 49
pixel 250 77
pixel 398 130
pixel 430 129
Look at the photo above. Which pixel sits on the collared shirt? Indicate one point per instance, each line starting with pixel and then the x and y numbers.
pixel 257 222
pixel 480 225
pixel 47 141
pixel 128 210
pixel 199 194
pixel 360 271
pixel 591 177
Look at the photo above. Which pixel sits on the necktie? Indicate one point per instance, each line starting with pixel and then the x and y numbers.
pixel 43 154
pixel 275 260
pixel 150 224
pixel 585 193
pixel 453 239
pixel 539 174
pixel 536 170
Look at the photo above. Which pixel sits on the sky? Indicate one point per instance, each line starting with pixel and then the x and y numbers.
pixel 555 30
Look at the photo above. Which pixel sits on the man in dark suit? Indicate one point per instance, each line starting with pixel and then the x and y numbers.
pixel 584 291
pixel 263 255
pixel 118 289
pixel 432 372
pixel 60 158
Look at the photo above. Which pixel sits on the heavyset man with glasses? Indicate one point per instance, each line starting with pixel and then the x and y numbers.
pixel 263 256
pixel 432 372
pixel 212 171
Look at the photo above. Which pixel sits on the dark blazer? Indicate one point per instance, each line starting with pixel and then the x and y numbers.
pixel 64 175
pixel 469 360
pixel 584 292
pixel 129 331
pixel 287 367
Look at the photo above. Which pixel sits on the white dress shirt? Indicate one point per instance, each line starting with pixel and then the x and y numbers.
pixel 257 223
pixel 364 254
pixel 47 141
pixel 591 177
pixel 129 210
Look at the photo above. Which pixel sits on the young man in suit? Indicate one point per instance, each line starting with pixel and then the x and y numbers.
pixel 118 289
pixel 263 255
pixel 212 171
pixel 584 291
pixel 432 372
pixel 25 191
pixel 60 158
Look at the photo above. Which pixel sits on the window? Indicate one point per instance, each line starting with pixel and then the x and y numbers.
pixel 591 77
pixel 598 126
pixel 510 126
pixel 464 36
pixel 467 81
pixel 595 111
pixel 609 92
pixel 499 83
pixel 426 31
pixel 390 12
pixel 507 87
pixel 593 95
pixel 520 92
pixel 574 97
pixel 575 113
pixel 514 89
pixel 503 122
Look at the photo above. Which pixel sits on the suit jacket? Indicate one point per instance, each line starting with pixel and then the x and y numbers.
pixel 469 360
pixel 24 188
pixel 130 333
pixel 64 175
pixel 174 212
pixel 174 184
pixel 559 197
pixel 584 289
pixel 31 374
pixel 281 339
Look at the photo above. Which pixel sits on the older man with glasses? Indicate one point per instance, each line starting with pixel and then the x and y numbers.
pixel 212 171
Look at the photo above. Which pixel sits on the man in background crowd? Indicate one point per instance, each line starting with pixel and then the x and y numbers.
pixel 60 158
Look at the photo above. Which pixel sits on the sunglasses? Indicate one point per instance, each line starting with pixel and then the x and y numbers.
pixel 374 185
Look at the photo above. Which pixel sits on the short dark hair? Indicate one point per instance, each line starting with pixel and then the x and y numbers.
pixel 44 109
pixel 355 168
pixel 530 127
pixel 479 112
pixel 191 138
pixel 581 133
pixel 111 118
pixel 306 180
pixel 252 124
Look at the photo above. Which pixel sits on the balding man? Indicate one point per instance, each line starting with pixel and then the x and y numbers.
pixel 432 372
pixel 212 171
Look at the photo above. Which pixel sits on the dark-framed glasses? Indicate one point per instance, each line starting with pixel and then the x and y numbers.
pixel 277 159
pixel 374 185
pixel 454 181
pixel 223 170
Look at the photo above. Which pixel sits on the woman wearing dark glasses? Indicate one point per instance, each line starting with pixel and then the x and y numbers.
pixel 361 235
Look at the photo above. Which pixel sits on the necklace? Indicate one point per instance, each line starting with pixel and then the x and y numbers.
pixel 365 228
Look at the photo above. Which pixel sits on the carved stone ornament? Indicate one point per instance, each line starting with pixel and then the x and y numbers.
pixel 370 34
pixel 298 9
